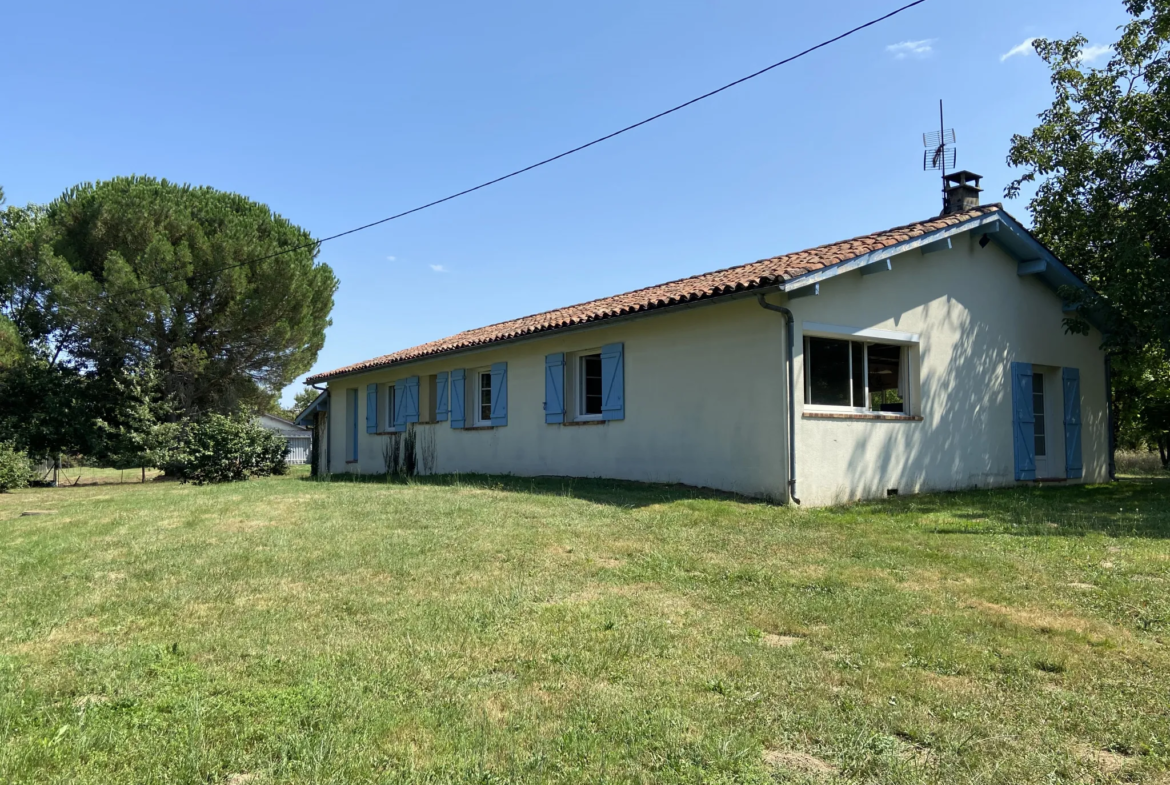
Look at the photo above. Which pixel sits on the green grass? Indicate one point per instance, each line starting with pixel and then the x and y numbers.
pixel 1140 464
pixel 491 630
pixel 91 475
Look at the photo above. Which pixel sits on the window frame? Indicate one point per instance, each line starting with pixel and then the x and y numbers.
pixel 574 389
pixel 478 375
pixel 905 380
pixel 390 401
pixel 579 413
pixel 1039 416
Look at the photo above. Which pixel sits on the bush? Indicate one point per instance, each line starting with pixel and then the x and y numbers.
pixel 225 449
pixel 15 468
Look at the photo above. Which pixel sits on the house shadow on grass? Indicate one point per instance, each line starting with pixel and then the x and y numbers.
pixel 1127 508
pixel 613 493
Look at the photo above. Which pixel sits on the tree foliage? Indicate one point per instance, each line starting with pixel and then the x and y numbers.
pixel 1102 199
pixel 114 274
pixel 300 402
pixel 15 468
pixel 47 408
pixel 226 449
pixel 133 301
pixel 140 431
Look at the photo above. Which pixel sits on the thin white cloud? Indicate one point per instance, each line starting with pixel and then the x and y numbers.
pixel 905 49
pixel 439 268
pixel 1024 48
pixel 1094 52
pixel 391 258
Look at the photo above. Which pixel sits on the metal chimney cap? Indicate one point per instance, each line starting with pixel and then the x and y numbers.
pixel 964 178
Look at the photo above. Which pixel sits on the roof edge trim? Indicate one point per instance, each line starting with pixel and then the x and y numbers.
pixel 881 254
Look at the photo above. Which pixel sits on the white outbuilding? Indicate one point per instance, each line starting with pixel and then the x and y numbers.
pixel 300 439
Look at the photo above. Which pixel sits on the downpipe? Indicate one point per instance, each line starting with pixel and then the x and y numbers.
pixel 789 329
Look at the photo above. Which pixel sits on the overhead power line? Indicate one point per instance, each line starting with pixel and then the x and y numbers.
pixel 529 168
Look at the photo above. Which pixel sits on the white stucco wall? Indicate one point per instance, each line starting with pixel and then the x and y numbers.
pixel 975 315
pixel 705 391
pixel 702 406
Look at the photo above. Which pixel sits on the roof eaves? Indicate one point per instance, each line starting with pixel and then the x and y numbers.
pixel 881 254
pixel 317 404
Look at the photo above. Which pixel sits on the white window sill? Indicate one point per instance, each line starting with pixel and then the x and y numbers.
pixel 855 415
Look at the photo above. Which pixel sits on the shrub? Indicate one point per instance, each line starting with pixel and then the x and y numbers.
pixel 15 468
pixel 225 449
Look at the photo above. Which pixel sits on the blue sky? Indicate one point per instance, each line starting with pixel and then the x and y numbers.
pixel 336 114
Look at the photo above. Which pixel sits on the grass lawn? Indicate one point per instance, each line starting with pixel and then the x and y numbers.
pixel 502 630
pixel 89 475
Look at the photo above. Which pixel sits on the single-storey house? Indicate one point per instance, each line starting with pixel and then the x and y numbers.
pixel 930 356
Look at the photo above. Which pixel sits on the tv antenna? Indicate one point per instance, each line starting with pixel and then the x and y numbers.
pixel 940 152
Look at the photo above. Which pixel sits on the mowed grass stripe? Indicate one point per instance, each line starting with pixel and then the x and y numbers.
pixel 484 629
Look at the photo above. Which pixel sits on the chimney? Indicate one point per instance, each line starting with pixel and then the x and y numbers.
pixel 962 191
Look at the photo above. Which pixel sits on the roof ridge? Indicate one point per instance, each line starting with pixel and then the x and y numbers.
pixel 781 268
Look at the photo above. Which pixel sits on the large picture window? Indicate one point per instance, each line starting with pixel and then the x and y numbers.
pixel 860 376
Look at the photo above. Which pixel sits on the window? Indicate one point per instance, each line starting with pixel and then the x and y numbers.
pixel 388 425
pixel 858 375
pixel 584 386
pixel 483 399
pixel 1038 413
pixel 884 376
pixel 589 393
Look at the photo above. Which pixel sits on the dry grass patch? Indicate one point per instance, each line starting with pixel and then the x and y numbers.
pixel 800 762
pixel 1047 622
pixel 72 633
pixel 1107 762
pixel 961 685
pixel 83 702
pixel 780 641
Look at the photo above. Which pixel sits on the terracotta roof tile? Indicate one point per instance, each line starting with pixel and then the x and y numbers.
pixel 766 272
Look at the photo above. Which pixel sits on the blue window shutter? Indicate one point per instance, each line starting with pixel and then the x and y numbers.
pixel 1023 421
pixel 499 393
pixel 554 388
pixel 400 403
pixel 458 412
pixel 441 396
pixel 371 408
pixel 412 399
pixel 1074 466
pixel 613 382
